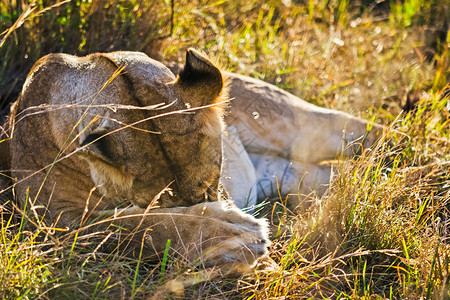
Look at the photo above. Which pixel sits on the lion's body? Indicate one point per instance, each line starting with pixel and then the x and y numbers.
pixel 84 146
pixel 280 137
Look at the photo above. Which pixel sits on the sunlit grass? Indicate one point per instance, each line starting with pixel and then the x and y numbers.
pixel 380 231
pixel 25 268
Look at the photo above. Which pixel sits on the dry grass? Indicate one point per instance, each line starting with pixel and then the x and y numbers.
pixel 380 232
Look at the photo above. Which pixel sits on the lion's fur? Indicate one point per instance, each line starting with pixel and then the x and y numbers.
pixel 284 142
pixel 132 147
pixel 145 149
pixel 277 141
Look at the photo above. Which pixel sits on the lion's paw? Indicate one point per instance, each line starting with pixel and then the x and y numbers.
pixel 227 236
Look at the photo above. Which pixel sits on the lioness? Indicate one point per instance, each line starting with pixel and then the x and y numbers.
pixel 90 141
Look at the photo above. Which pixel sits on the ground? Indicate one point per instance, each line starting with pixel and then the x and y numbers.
pixel 380 231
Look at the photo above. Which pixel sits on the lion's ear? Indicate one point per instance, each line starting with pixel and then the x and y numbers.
pixel 200 80
pixel 101 146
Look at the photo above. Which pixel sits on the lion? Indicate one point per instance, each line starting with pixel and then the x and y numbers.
pixel 117 137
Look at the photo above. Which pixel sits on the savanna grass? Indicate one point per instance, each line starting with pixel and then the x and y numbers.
pixel 380 231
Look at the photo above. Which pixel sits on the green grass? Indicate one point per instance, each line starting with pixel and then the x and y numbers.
pixel 382 229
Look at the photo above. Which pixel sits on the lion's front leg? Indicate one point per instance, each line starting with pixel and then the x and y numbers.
pixel 208 234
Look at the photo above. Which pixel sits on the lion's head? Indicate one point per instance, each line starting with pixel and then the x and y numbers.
pixel 161 139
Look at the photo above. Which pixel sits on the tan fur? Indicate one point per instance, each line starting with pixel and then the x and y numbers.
pixel 107 177
pixel 153 172
pixel 284 142
pixel 152 169
pixel 276 141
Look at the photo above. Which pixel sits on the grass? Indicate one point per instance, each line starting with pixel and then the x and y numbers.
pixel 382 229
